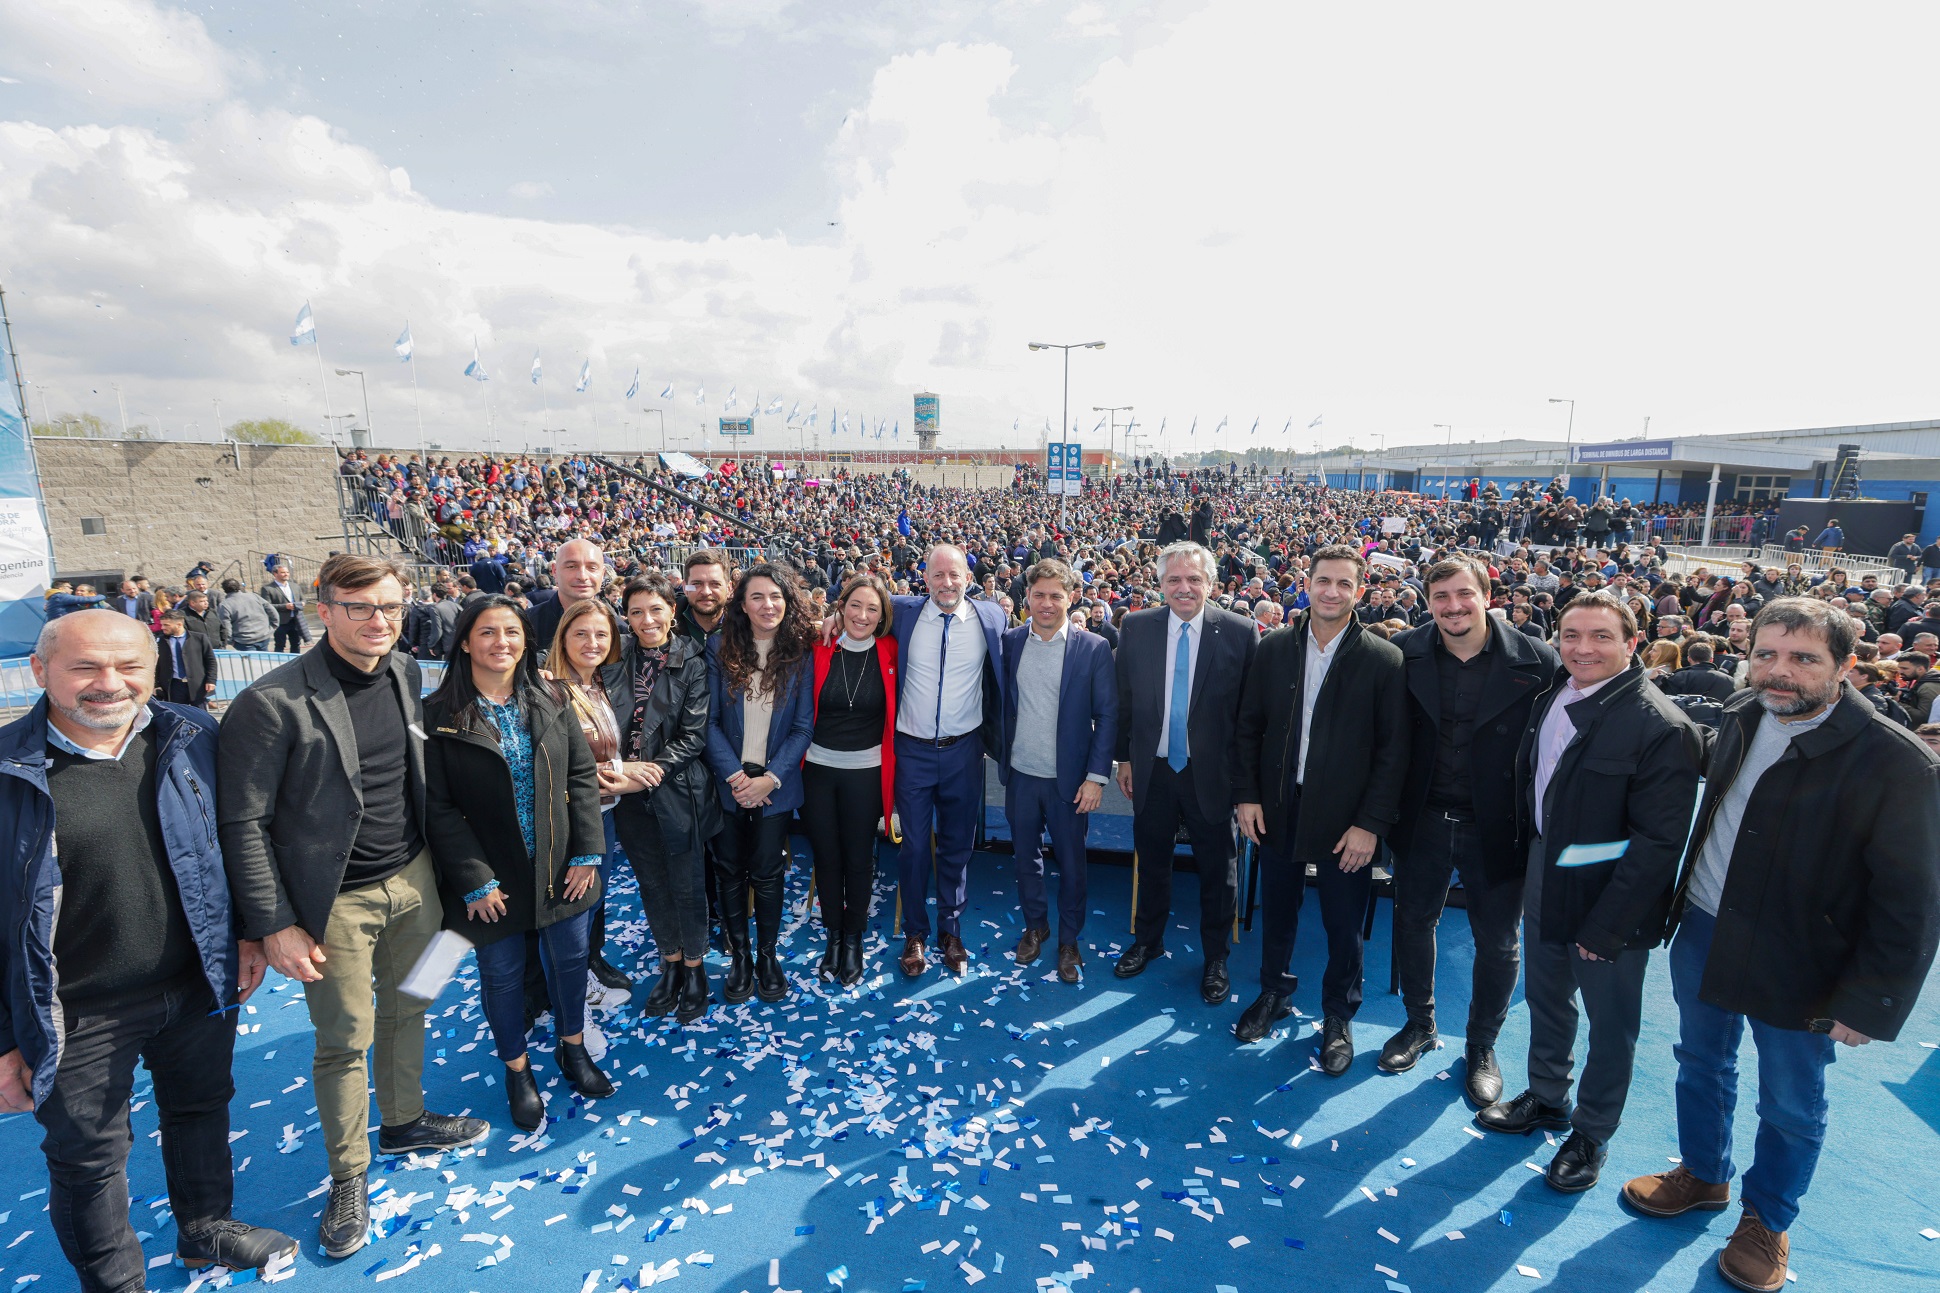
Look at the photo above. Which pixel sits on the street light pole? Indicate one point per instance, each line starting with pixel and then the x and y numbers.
pixel 1067 348
pixel 358 373
pixel 1447 456
pixel 1569 438
pixel 1111 440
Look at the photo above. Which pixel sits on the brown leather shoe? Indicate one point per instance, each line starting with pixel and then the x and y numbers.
pixel 954 957
pixel 1068 962
pixel 916 957
pixel 1755 1258
pixel 1674 1193
pixel 1030 945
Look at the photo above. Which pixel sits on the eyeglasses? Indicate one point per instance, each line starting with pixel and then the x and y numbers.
pixel 360 611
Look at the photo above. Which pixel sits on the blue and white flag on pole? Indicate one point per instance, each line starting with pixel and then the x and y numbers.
pixel 700 396
pixel 1254 429
pixel 668 393
pixel 305 332
pixel 403 344
pixel 896 432
pixel 634 389
pixel 774 408
pixel 729 406
pixel 476 368
pixel 1316 422
pixel 845 422
pixel 1222 425
pixel 535 368
pixel 585 376
pixel 794 412
pixel 814 414
pixel 1193 430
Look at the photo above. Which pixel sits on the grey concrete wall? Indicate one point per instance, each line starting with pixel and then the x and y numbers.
pixel 169 505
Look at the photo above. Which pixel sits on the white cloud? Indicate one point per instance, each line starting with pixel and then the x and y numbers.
pixel 530 189
pixel 123 53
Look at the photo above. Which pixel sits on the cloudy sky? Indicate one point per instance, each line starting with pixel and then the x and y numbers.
pixel 1718 217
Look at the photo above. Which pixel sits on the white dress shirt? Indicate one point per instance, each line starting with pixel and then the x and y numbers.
pixel 1556 734
pixel 963 685
pixel 1319 660
pixel 1194 640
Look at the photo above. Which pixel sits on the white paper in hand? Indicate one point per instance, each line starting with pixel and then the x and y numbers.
pixel 436 965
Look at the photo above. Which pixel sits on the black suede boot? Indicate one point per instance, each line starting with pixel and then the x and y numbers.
pixel 522 1094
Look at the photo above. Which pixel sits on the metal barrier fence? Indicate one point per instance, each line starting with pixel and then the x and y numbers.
pixel 235 671
pixel 1726 531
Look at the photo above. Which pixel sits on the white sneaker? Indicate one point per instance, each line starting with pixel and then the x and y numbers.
pixel 594 1041
pixel 601 997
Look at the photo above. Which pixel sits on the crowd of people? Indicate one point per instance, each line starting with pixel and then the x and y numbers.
pixel 1607 757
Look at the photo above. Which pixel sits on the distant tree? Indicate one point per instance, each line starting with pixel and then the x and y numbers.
pixel 270 431
pixel 74 424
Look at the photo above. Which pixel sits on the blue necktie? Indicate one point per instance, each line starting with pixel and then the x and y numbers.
pixel 942 658
pixel 1175 743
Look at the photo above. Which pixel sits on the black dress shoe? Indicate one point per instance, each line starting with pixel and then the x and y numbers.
pixel 848 961
pixel 1133 961
pixel 1336 1046
pixel 1268 1009
pixel 770 984
pixel 235 1244
pixel 1522 1115
pixel 693 994
pixel 1576 1165
pixel 1407 1046
pixel 1214 986
pixel 522 1095
pixel 666 991
pixel 609 974
pixel 1484 1084
pixel 346 1217
pixel 577 1067
pixel 431 1133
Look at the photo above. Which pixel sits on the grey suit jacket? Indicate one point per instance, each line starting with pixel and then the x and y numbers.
pixel 289 797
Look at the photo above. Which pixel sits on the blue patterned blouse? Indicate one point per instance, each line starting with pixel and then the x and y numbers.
pixel 515 743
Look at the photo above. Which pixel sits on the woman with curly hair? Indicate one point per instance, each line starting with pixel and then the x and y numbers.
pixel 759 725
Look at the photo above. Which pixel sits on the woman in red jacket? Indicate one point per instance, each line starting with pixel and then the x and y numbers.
pixel 849 775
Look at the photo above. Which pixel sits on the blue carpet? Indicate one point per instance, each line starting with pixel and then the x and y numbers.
pixel 1011 1131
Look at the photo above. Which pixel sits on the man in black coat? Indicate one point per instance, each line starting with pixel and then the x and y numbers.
pixel 1808 908
pixel 1180 673
pixel 185 662
pixel 1322 747
pixel 1472 681
pixel 1701 677
pixel 1606 779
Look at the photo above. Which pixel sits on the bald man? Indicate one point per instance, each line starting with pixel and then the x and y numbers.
pixel 107 964
pixel 579 571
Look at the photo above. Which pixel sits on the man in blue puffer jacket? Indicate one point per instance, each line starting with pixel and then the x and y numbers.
pixel 119 946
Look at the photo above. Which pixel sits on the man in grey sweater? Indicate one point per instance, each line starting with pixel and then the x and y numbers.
pixel 247 621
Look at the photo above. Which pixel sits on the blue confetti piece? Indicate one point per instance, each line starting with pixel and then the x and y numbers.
pixel 1294 1243
pixel 914 1286
pixel 373 1267
pixel 804 1230
pixel 1506 1218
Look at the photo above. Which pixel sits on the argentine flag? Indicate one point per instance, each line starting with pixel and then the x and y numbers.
pixel 305 332
pixel 634 389
pixel 729 406
pixel 668 393
pixel 535 368
pixel 476 368
pixel 1316 422
pixel 585 376
pixel 403 345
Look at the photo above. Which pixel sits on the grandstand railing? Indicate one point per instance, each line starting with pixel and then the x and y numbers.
pixel 235 671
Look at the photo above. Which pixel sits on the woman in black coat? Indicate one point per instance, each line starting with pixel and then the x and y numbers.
pixel 512 807
pixel 660 698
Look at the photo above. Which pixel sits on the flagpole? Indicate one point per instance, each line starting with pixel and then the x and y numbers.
pixel 416 403
pixel 329 415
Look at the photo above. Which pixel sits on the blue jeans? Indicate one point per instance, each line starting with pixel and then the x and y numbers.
pixel 501 981
pixel 1791 1088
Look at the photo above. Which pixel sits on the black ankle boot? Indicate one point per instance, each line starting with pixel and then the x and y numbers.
pixel 522 1094
pixel 578 1068
pixel 739 984
pixel 831 964
pixel 849 963
pixel 693 993
pixel 770 983
pixel 666 991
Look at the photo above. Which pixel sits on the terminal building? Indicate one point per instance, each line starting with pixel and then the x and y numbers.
pixel 1895 461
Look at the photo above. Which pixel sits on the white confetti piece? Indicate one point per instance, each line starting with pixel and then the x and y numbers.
pixel 1530 1271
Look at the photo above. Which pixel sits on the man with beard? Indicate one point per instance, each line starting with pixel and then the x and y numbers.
pixel 708 579
pixel 1808 908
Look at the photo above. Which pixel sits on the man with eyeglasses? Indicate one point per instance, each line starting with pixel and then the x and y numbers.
pixel 321 805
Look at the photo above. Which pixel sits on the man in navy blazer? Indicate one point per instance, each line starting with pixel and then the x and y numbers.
pixel 949 714
pixel 1060 720
pixel 1188 660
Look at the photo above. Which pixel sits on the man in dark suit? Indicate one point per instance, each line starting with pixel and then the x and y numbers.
pixel 135 603
pixel 1606 778
pixel 1180 674
pixel 1471 682
pixel 1060 721
pixel 489 572
pixel 1701 677
pixel 285 598
pixel 1322 750
pixel 185 664
pixel 579 571
pixel 949 714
